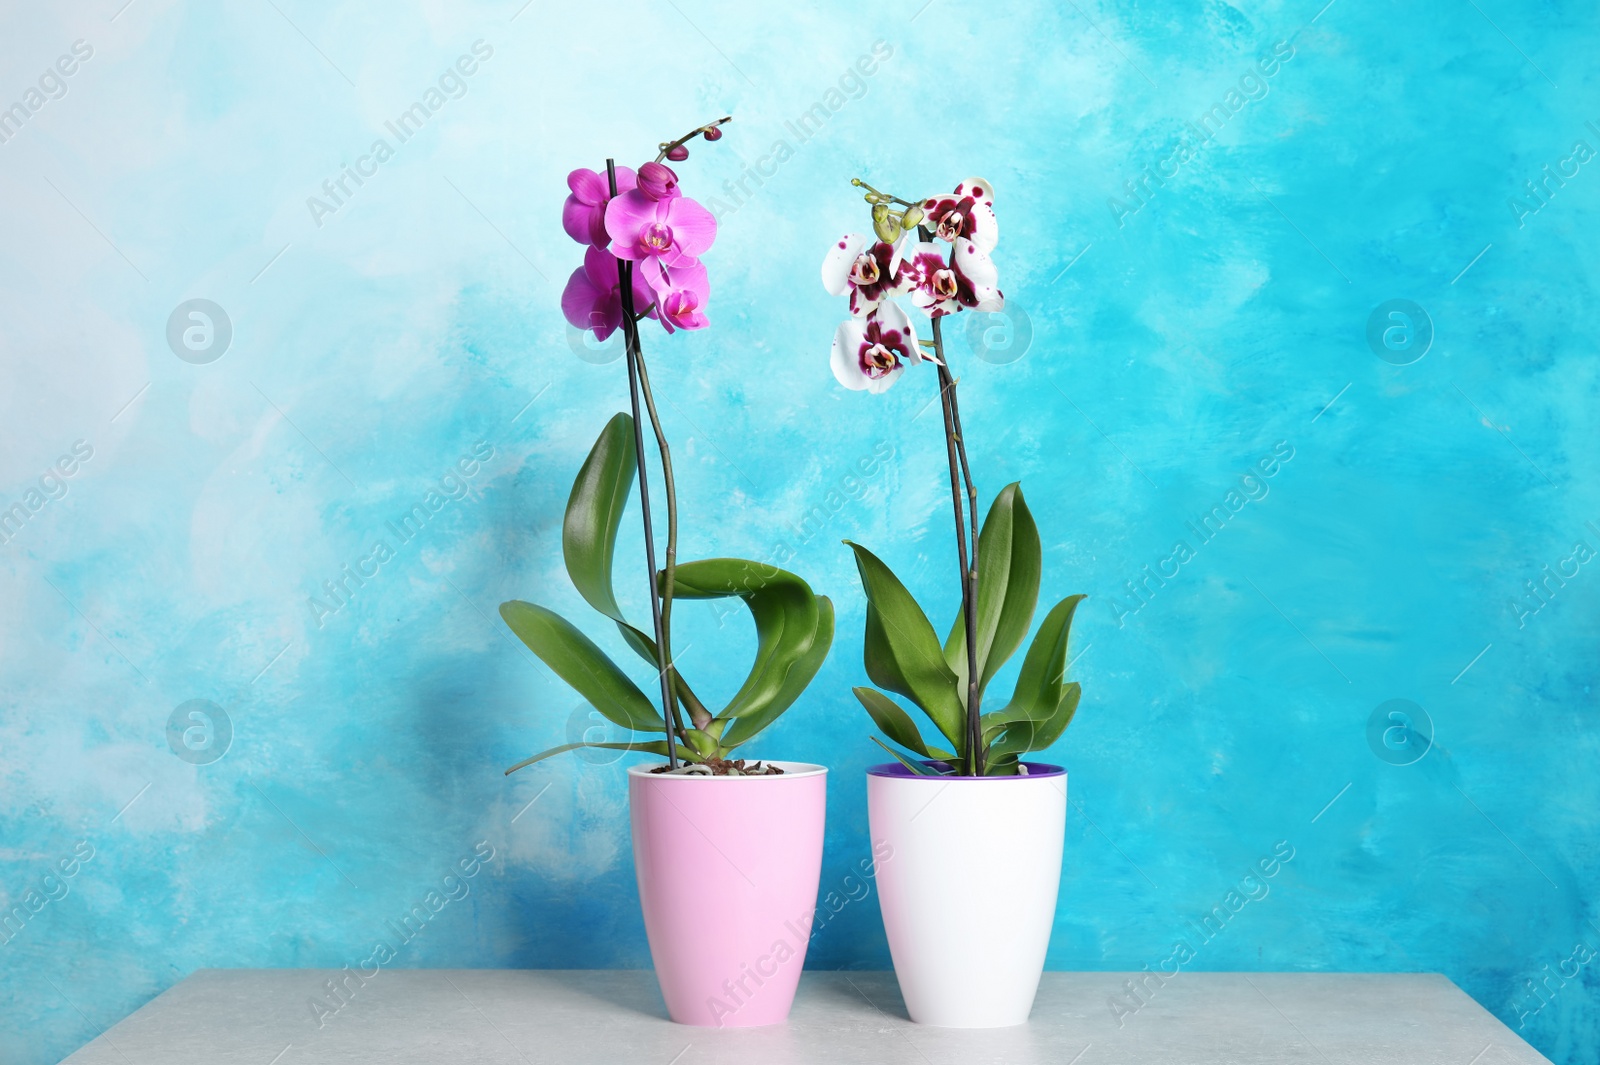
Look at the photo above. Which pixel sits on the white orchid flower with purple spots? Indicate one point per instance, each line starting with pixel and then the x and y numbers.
pixel 968 213
pixel 866 270
pixel 968 280
pixel 870 353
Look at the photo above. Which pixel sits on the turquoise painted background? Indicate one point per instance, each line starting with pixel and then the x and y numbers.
pixel 1191 250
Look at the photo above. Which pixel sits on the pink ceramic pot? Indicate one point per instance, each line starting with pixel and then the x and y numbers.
pixel 728 870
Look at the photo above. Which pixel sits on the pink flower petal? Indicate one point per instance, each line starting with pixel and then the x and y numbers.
pixel 594 188
pixel 680 292
pixel 587 307
pixel 588 186
pixel 626 215
pixel 577 219
pixel 693 227
pixel 600 266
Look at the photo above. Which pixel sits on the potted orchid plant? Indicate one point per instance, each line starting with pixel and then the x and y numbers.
pixel 992 843
pixel 713 833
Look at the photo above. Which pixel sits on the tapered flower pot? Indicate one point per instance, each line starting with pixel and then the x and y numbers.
pixel 728 870
pixel 969 894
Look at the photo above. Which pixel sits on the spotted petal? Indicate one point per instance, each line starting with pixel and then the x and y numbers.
pixel 985 227
pixel 979 189
pixel 977 272
pixel 870 354
pixel 836 264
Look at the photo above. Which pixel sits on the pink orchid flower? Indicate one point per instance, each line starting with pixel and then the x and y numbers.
pixel 967 281
pixel 968 213
pixel 671 229
pixel 583 216
pixel 870 273
pixel 680 292
pixel 871 353
pixel 593 296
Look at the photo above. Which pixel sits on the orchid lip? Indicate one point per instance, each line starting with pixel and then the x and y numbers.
pixel 681 304
pixel 655 238
pixel 864 271
pixel 877 360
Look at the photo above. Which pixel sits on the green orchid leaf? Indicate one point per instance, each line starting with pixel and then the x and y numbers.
pixel 1042 680
pixel 894 722
pixel 748 724
pixel 902 654
pixel 589 538
pixel 646 747
pixel 916 767
pixel 1009 562
pixel 794 630
pixel 594 513
pixel 575 659
pixel 703 745
pixel 1030 734
pixel 589 530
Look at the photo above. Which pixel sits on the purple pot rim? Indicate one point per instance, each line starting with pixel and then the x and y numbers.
pixel 1036 771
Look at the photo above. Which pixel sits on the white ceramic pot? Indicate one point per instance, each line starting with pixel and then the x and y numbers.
pixel 967 886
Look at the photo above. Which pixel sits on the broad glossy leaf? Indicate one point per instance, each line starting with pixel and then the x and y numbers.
pixel 794 630
pixel 902 653
pixel 589 535
pixel 575 659
pixel 1008 589
pixel 594 513
pixel 647 746
pixel 1042 679
pixel 749 723
pixel 897 724
pixel 1031 734
pixel 916 767
pixel 894 722
pixel 589 530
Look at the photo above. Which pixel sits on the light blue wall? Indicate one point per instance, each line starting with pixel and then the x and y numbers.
pixel 419 320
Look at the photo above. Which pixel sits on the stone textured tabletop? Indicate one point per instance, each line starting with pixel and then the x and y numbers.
pixel 521 1017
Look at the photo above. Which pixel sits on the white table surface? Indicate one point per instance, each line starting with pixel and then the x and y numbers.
pixel 524 1017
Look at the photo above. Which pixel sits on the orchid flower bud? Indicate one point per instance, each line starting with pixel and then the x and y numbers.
pixel 885 223
pixel 657 181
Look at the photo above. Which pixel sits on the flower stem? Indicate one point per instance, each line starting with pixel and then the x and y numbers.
pixel 959 472
pixel 630 330
pixel 883 197
pixel 691 135
pixel 974 682
pixel 670 572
